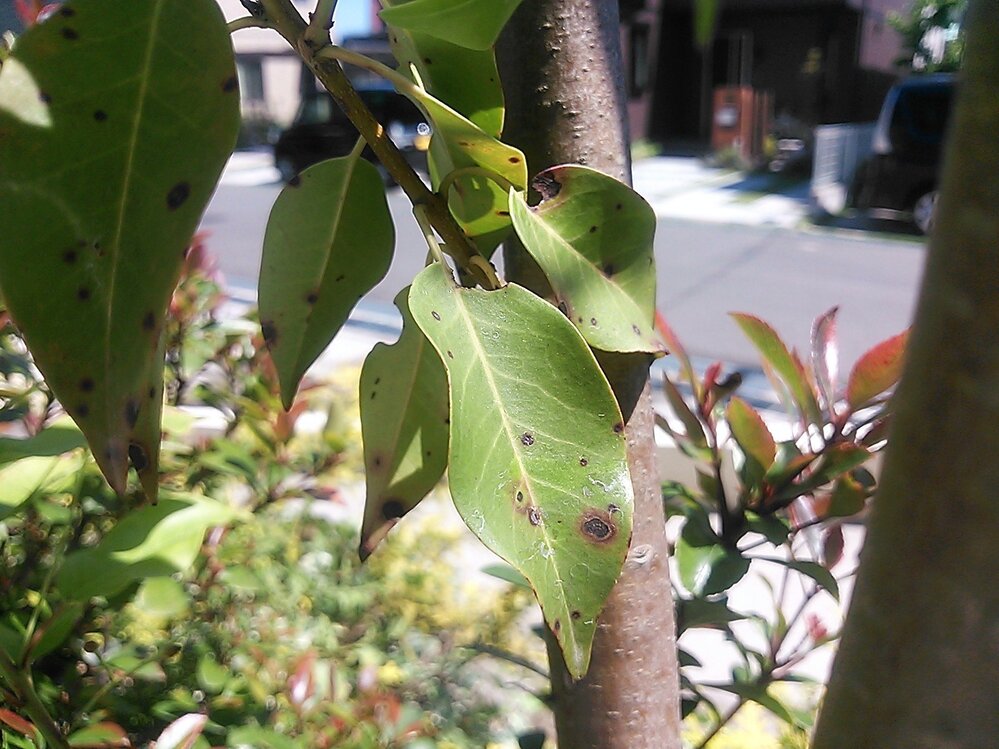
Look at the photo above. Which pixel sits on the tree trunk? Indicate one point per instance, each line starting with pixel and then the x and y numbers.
pixel 919 662
pixel 561 68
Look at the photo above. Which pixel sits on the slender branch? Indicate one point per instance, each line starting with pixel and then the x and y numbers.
pixel 320 22
pixel 402 84
pixel 20 683
pixel 247 22
pixel 286 20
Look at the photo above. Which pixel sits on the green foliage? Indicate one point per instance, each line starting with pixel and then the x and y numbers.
pixel 110 142
pixel 555 464
pixel 783 508
pixel 474 24
pixel 312 273
pixel 931 34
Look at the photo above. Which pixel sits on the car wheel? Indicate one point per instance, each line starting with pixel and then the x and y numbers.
pixel 286 168
pixel 924 211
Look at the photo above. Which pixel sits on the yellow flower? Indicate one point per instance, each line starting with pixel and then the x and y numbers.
pixel 390 674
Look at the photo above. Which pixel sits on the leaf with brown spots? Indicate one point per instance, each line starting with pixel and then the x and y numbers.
pixel 404 428
pixel 329 240
pixel 527 401
pixel 592 237
pixel 103 181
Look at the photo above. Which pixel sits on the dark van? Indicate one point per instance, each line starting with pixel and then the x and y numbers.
pixel 322 131
pixel 899 179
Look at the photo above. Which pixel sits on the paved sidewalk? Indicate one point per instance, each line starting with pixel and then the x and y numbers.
pixel 680 187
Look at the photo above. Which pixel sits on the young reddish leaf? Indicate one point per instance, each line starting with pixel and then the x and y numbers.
pixel 848 497
pixel 876 371
pixel 16 722
pixel 785 363
pixel 825 355
pixel 751 432
pixel 676 349
pixel 833 544
pixel 691 424
pixel 183 732
pixel 99 734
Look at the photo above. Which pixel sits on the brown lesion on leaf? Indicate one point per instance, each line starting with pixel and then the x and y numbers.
pixel 546 186
pixel 597 526
pixel 70 33
pixel 312 297
pixel 69 257
pixel 87 384
pixel 138 455
pixel 149 321
pixel 534 516
pixel 100 115
pixel 82 410
pixel 178 195
pixel 83 293
pixel 557 626
pixel 584 462
pixel 131 413
pixel 527 438
pixel 269 331
pixel 619 428
pixel 593 229
pixel 576 615
pixel 393 509
pixel 230 84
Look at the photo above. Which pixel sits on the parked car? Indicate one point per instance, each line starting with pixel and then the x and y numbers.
pixel 322 131
pixel 899 178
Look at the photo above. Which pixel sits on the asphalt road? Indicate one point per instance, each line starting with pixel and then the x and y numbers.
pixel 704 270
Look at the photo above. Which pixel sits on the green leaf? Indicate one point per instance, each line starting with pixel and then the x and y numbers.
pixel 183 732
pixel 259 738
pixel 700 612
pixel 823 577
pixel 444 70
pixel 162 597
pixel 211 675
pixel 404 427
pixel 115 122
pixel 876 371
pixel 99 734
pixel 20 480
pixel 759 694
pixel 692 427
pixel 786 364
pixel 705 21
pixel 56 629
pixel 475 24
pixel 54 440
pixel 538 466
pixel 506 573
pixel 706 570
pixel 848 498
pixel 751 433
pixel 152 540
pixel 329 240
pixel 592 236
pixel 834 462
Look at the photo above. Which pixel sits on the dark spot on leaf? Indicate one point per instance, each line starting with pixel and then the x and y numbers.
pixel 450 355
pixel 83 293
pixel 378 380
pixel 177 195
pixel 393 509
pixel 580 319
pixel 619 427
pixel 269 332
pixel 131 413
pixel 557 626
pixel 339 278
pixel 377 462
pixel 618 207
pixel 638 330
pixel 435 315
pixel 83 410
pixel 149 321
pixel 86 385
pixel 547 186
pixel 520 496
pixel 609 269
pixel 373 394
pixel 464 143
pixel 447 420
pixel 527 438
pixel 597 526
pixel 514 159
pixel 428 453
pixel 593 321
pixel 69 256
pixel 593 230
pixel 502 213
pixel 584 462
pixel 534 516
pixel 576 615
pixel 138 457
pixel 44 98
pixel 612 508
pixel 295 181
pixel 312 297
pixel 230 84
pixel 68 33
pixel 152 393
pixel 563 307
pixel 100 115
pixel 67 12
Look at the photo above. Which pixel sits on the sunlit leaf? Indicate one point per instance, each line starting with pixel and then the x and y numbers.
pixel 259 738
pixel 787 366
pixel 212 676
pixel 708 569
pixel 53 631
pixel 822 577
pixel 101 197
pixel 162 597
pixel 848 498
pixel 876 371
pixel 825 354
pixel 475 24
pixel 100 734
pixel 20 480
pixel 538 466
pixel 751 433
pixel 329 240
pixel 404 427
pixel 152 540
pixel 183 732
pixel 592 236
pixel 56 439
pixel 506 573
pixel 693 429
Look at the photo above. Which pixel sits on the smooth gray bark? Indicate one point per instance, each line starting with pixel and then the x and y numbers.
pixel 919 662
pixel 561 68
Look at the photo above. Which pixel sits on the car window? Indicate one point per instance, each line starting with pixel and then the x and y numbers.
pixel 921 116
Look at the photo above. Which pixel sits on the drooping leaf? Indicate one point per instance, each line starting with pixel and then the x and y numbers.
pixel 115 122
pixel 825 355
pixel 444 70
pixel 677 350
pixel 475 24
pixel 787 365
pixel 537 467
pixel 876 371
pixel 152 540
pixel 592 236
pixel 404 427
pixel 823 577
pixel 478 203
pixel 329 240
pixel 750 432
